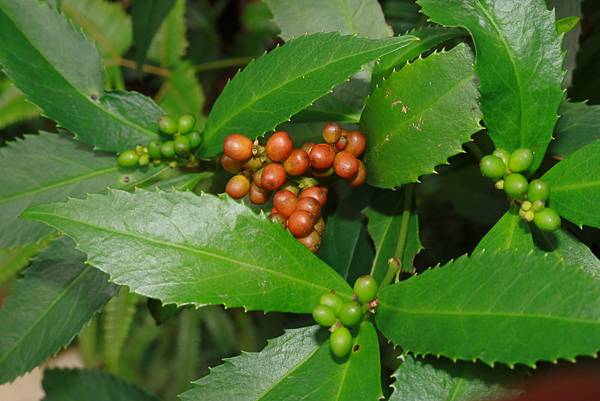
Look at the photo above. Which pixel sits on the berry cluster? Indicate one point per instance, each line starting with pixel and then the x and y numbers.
pixel 338 315
pixel 505 168
pixel 185 139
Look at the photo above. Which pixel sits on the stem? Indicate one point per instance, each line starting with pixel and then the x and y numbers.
pixel 226 63
pixel 151 69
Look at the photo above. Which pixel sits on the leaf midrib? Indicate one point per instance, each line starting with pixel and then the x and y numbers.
pixel 388 226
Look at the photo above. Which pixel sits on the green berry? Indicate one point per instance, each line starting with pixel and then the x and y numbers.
pixel 333 301
pixel 365 288
pixel 340 342
pixel 167 125
pixel 520 160
pixel 538 190
pixel 181 144
pixel 547 219
pixel 154 149
pixel 140 150
pixel 526 206
pixel 168 150
pixel 492 167
pixel 351 314
pixel 515 185
pixel 128 158
pixel 144 160
pixel 538 205
pixel 195 139
pixel 503 155
pixel 186 123
pixel 323 315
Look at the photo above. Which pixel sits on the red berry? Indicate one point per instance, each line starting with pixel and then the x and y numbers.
pixel 284 202
pixel 345 164
pixel 319 193
pixel 238 147
pixel 257 177
pixel 312 241
pixel 273 177
pixel 297 163
pixel 332 132
pixel 361 175
pixel 322 156
pixel 237 186
pixel 258 195
pixel 357 143
pixel 311 205
pixel 279 146
pixel 230 165
pixel 341 144
pixel 300 223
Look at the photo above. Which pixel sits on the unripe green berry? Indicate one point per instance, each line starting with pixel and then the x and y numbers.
pixel 492 167
pixel 351 314
pixel 538 205
pixel 195 139
pixel 186 123
pixel 538 190
pixel 323 315
pixel 181 144
pixel 547 219
pixel 340 342
pixel 515 185
pixel 365 288
pixel 128 158
pixel 333 301
pixel 526 205
pixel 168 150
pixel 167 125
pixel 520 160
pixel 144 160
pixel 140 150
pixel 503 155
pixel 154 149
pixel 526 215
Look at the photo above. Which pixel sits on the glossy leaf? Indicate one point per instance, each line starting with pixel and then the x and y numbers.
pixel 189 249
pixel 299 362
pixel 510 232
pixel 170 43
pixel 69 169
pixel 147 17
pixel 254 102
pixel 508 307
pixel 48 307
pixel 13 105
pixel 519 64
pixel 575 186
pixel 579 125
pixel 59 70
pixel 419 117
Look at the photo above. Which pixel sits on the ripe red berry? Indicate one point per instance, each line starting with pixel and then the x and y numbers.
pixel 258 195
pixel 341 143
pixel 273 177
pixel 361 175
pixel 300 223
pixel 312 241
pixel 345 164
pixel 311 205
pixel 307 147
pixel 317 192
pixel 357 143
pixel 297 163
pixel 230 165
pixel 284 202
pixel 332 132
pixel 238 147
pixel 237 186
pixel 279 146
pixel 322 156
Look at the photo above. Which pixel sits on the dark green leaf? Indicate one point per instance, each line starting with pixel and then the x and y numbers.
pixel 117 319
pixel 13 105
pixel 170 43
pixel 147 17
pixel 510 232
pixel 579 125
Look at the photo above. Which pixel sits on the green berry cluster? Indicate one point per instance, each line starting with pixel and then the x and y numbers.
pixel 184 140
pixel 505 168
pixel 338 315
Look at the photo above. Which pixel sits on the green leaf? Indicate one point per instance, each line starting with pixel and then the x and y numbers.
pixel 508 307
pixel 562 9
pixel 390 214
pixel 13 260
pixel 567 24
pixel 579 125
pixel 575 186
pixel 170 43
pixel 13 105
pixel 361 17
pixel 520 75
pixel 59 70
pixel 510 232
pixel 434 380
pixel 69 169
pixel 74 384
pixel 117 319
pixel 189 249
pixel 183 182
pixel 300 363
pixel 419 117
pixel 48 307
pixel 271 89
pixel 147 17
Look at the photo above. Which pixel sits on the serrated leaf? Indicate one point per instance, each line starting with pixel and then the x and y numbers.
pixel 575 186
pixel 75 384
pixel 510 232
pixel 568 8
pixel 567 24
pixel 60 71
pixel 391 214
pixel 434 380
pixel 361 17
pixel 519 64
pixel 147 18
pixel 579 125
pixel 299 362
pixel 48 307
pixel 419 117
pixel 13 106
pixel 507 307
pixel 170 43
pixel 189 249
pixel 49 168
pixel 271 89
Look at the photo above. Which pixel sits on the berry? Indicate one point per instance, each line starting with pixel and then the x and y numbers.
pixel 520 160
pixel 128 158
pixel 167 125
pixel 279 146
pixel 547 219
pixel 307 147
pixel 526 206
pixel 351 314
pixel 323 315
pixel 538 190
pixel 254 163
pixel 181 145
pixel 538 205
pixel 357 143
pixel 300 223
pixel 332 300
pixel 186 123
pixel 365 288
pixel 319 193
pixel 297 163
pixel 154 149
pixel 258 195
pixel 310 205
pixel 492 167
pixel 515 185
pixel 195 139
pixel 503 155
pixel 341 143
pixel 284 202
pixel 332 132
pixel 230 165
pixel 168 149
pixel 237 147
pixel 273 177
pixel 345 164
pixel 322 156
pixel 312 241
pixel 320 226
pixel 238 186
pixel 144 160
pixel 360 177
pixel 340 342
